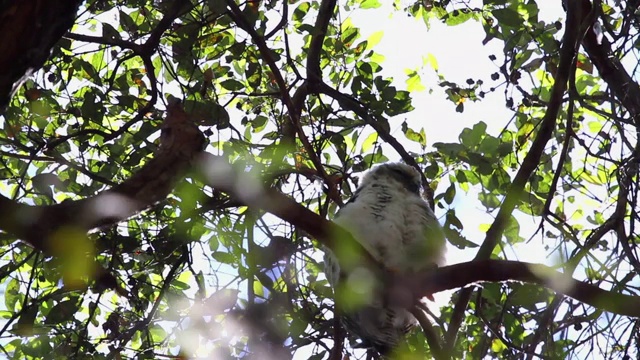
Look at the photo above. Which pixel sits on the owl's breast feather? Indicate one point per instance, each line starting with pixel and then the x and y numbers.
pixel 376 226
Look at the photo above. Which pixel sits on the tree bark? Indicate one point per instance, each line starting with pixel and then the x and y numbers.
pixel 28 31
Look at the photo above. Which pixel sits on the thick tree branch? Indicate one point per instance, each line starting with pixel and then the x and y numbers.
pixel 40 24
pixel 314 73
pixel 28 31
pixel 327 8
pixel 547 125
pixel 338 339
pixel 463 274
pixel 610 68
pixel 244 189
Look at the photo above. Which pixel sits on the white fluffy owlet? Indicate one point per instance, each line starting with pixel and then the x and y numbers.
pixel 390 219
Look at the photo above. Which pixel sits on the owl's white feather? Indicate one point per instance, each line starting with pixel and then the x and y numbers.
pixel 390 219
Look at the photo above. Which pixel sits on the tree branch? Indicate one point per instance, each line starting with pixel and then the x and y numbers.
pixel 245 189
pixel 531 161
pixel 325 13
pixel 125 44
pixel 463 274
pixel 430 334
pixel 349 103
pixel 222 176
pixel 294 112
pixel 609 66
pixel 181 140
pixel 39 24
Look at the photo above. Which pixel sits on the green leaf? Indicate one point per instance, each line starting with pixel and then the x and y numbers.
pixel 254 74
pixel 224 257
pixel 431 60
pixel 400 104
pixel 450 194
pixel 258 289
pixel 419 137
pixel 127 22
pixel 232 85
pixel 458 17
pixel 527 296
pixel 62 312
pixel 158 334
pixel 25 324
pixel 512 231
pixel 452 219
pixel 38 348
pixel 456 239
pixel 222 300
pixel 453 150
pixel 489 145
pixel 489 200
pixel 374 39
pixel 301 11
pixel 368 142
pixel 109 33
pixel 472 137
pixel 180 285
pixel 414 83
pixel 508 17
pixel 42 108
pixel 370 4
pixel 497 346
pixel 89 71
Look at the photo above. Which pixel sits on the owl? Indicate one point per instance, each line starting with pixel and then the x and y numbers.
pixel 389 218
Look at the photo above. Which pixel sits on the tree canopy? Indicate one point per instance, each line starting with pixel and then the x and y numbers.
pixel 169 169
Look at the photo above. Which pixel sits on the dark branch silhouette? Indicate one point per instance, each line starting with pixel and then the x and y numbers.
pixel 40 24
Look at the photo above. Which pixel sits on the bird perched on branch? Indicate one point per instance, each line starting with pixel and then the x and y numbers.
pixel 389 218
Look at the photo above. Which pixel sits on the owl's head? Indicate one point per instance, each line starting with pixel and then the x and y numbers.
pixel 403 174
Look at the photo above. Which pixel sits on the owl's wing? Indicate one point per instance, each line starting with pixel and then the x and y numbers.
pixel 331 265
pixel 432 249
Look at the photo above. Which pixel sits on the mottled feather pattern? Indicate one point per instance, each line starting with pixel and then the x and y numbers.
pixel 390 219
